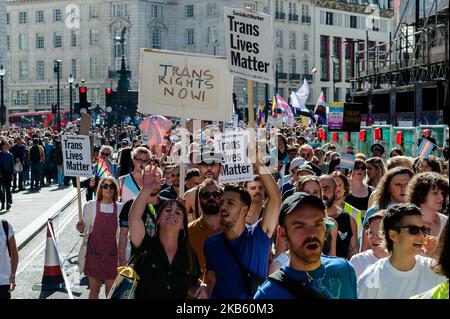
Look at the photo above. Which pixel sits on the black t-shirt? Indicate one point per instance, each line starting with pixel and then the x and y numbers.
pixel 161 280
pixel 344 234
pixel 148 217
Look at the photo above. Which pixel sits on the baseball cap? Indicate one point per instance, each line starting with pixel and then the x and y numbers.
pixel 377 147
pixel 306 168
pixel 297 199
pixel 210 157
pixel 296 162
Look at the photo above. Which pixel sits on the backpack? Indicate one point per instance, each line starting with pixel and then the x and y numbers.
pixel 6 230
pixel 35 154
pixel 298 289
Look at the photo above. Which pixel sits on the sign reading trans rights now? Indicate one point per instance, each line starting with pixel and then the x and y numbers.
pixel 248 39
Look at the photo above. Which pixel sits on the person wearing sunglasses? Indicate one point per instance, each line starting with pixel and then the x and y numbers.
pixel 359 191
pixel 106 155
pixel 208 224
pixel 405 272
pixel 101 223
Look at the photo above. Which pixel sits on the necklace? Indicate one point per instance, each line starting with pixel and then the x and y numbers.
pixel 312 279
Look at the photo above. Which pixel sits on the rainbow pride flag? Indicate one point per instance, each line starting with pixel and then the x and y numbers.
pixel 101 169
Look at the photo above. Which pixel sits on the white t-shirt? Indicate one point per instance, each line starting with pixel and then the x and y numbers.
pixel 5 262
pixel 362 261
pixel 443 220
pixel 383 281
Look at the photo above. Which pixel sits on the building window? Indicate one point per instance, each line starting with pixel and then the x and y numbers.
pixel 212 35
pixel 156 11
pixel 73 38
pixel 337 94
pixel 119 10
pixel 74 68
pixel 329 18
pixel 353 23
pixel 292 40
pixel 93 12
pixel 305 10
pixel 57 16
pixel 23 41
pixel 293 65
pixel 324 53
pixel 93 37
pixel 39 16
pixel 279 64
pixel 279 39
pixel 57 40
pixel 337 49
pixel 306 65
pixel 23 70
pixel 8 43
pixel 305 42
pixel 251 5
pixel 189 11
pixel 40 70
pixel 20 97
pixel 23 17
pixel 93 68
pixel 156 38
pixel 40 41
pixel 7 18
pixel 39 97
pixel 189 36
pixel 211 9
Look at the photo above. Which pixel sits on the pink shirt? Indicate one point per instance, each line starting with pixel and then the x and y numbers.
pixel 155 127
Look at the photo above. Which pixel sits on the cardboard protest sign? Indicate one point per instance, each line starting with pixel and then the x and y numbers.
pixel 248 39
pixel 178 84
pixel 352 117
pixel 76 155
pixel 236 164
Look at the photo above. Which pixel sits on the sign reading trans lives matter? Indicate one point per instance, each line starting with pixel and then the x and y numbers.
pixel 178 84
pixel 77 155
pixel 248 39
pixel 236 164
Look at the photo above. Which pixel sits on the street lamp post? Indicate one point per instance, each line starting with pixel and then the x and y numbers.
pixel 216 43
pixel 2 104
pixel 57 68
pixel 334 60
pixel 70 80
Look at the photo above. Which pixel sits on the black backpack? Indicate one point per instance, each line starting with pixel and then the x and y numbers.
pixel 35 154
pixel 6 230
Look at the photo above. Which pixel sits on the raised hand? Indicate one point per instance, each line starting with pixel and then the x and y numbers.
pixel 151 178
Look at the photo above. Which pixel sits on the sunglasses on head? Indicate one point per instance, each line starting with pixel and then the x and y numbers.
pixel 207 195
pixel 414 229
pixel 110 186
pixel 363 168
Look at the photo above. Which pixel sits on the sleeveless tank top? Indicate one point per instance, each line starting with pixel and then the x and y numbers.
pixel 344 234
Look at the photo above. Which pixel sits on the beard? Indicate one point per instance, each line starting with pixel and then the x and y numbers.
pixel 304 254
pixel 329 201
pixel 210 207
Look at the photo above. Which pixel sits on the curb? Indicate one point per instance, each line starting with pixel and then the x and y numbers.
pixel 29 232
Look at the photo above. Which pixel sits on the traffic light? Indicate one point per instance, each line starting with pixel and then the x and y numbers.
pixel 83 102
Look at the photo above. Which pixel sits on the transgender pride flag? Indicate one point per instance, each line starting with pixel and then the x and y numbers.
pixel 425 148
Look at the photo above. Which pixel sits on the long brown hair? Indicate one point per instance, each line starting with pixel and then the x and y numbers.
pixel 183 235
pixel 99 193
pixel 383 195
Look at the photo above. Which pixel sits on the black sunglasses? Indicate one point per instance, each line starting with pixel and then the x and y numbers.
pixel 363 168
pixel 110 186
pixel 414 229
pixel 207 195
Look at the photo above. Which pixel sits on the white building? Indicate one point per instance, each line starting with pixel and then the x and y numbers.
pixel 338 27
pixel 3 58
pixel 81 33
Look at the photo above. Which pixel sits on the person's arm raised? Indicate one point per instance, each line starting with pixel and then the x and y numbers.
pixel 150 183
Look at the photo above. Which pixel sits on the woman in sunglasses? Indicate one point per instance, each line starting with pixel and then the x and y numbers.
pixel 405 272
pixel 106 155
pixel 101 223
pixel 359 190
pixel 169 269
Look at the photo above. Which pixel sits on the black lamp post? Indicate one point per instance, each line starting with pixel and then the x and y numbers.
pixel 334 60
pixel 57 70
pixel 70 80
pixel 2 104
pixel 124 82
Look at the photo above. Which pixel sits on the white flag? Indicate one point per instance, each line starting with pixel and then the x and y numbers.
pixel 303 92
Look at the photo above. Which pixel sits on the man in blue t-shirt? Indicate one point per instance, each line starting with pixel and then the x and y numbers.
pixel 250 243
pixel 304 227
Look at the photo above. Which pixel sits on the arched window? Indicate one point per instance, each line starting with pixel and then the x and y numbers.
pixel 293 65
pixel 156 38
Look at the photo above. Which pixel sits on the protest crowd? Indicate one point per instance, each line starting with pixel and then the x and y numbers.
pixel 304 226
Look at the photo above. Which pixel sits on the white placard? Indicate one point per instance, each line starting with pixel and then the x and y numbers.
pixel 179 84
pixel 237 167
pixel 248 40
pixel 76 151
